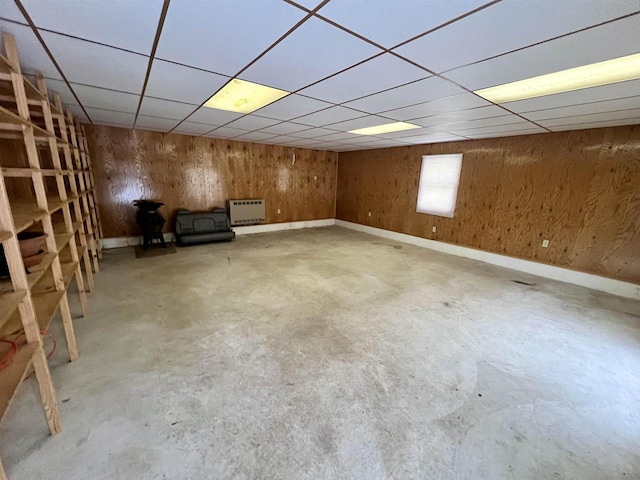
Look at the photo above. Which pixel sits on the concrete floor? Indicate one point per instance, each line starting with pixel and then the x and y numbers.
pixel 329 353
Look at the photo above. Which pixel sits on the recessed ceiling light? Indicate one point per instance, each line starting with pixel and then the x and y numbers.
pixel 386 128
pixel 244 97
pixel 593 75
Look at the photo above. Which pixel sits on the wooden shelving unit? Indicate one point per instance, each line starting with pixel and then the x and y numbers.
pixel 46 185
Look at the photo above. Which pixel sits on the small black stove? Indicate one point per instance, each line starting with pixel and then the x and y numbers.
pixel 150 221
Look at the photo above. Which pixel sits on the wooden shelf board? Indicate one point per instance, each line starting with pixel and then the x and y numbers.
pixel 11 377
pixel 47 284
pixel 8 304
pixel 25 213
pixel 46 304
pixel 62 240
pixel 4 236
pixel 36 272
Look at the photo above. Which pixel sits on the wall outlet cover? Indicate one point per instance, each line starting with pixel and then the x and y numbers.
pixel 545 243
pixel 433 229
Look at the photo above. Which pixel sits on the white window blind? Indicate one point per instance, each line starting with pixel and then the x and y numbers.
pixel 438 189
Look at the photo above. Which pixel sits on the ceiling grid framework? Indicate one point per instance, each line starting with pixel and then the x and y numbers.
pixel 349 64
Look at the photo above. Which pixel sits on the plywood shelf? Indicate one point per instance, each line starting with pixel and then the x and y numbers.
pixel 46 304
pixel 47 284
pixel 11 377
pixel 62 240
pixel 9 302
pixel 36 272
pixel 25 213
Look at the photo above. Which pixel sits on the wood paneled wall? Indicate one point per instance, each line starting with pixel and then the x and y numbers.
pixel 580 190
pixel 198 173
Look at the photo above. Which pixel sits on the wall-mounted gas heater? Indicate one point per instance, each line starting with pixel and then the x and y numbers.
pixel 246 212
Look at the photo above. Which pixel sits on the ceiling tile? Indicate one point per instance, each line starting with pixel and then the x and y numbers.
pixel 106 99
pixel 130 25
pixel 595 45
pixel 154 123
pixel 60 87
pixel 330 115
pixel 386 143
pixel 442 105
pixel 78 114
pixel 417 92
pixel 292 106
pixel 302 142
pixel 255 136
pixel 226 132
pixel 513 127
pixel 312 52
pixel 588 108
pixel 253 122
pixel 365 79
pixel 400 136
pixel 310 4
pixel 511 133
pixel 609 123
pixel 109 117
pixel 339 136
pixel 362 122
pixel 213 116
pixel 433 138
pixel 285 128
pixel 33 58
pixel 506 26
pixel 164 108
pixel 391 22
pixel 482 122
pixel 192 128
pixel 10 11
pixel 633 113
pixel 461 116
pixel 223 36
pixel 91 64
pixel 283 140
pixel 314 132
pixel 183 84
pixel 586 95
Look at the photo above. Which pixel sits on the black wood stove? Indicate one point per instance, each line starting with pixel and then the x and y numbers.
pixel 150 221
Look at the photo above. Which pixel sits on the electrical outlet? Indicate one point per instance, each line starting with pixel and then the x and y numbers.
pixel 315 177
pixel 369 213
pixel 433 229
pixel 278 211
pixel 545 243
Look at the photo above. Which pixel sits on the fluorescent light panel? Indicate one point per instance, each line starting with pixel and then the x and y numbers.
pixel 244 97
pixel 386 128
pixel 593 75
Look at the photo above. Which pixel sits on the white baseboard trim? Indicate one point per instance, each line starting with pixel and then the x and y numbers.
pixel 275 227
pixel 119 242
pixel 595 282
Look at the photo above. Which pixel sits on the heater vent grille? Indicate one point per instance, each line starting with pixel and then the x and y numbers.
pixel 246 212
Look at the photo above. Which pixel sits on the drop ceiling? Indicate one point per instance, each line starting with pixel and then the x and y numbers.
pixel 349 64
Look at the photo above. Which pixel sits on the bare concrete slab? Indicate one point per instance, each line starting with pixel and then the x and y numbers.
pixel 328 353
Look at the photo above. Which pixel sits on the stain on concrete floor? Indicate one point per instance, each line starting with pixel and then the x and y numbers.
pixel 326 354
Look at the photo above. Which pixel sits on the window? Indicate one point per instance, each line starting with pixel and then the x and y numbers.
pixel 438 189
